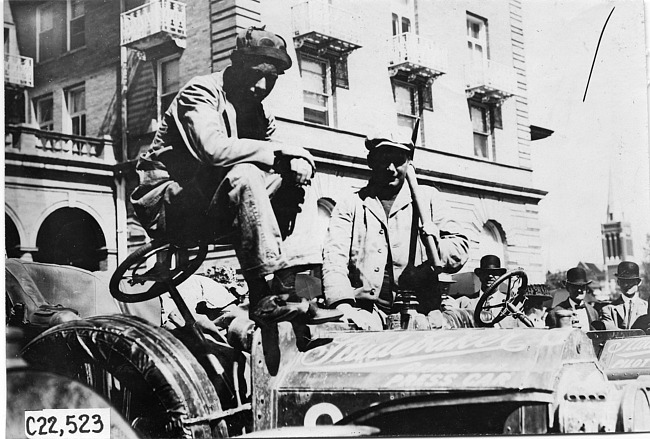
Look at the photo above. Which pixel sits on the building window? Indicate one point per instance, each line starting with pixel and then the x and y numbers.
pixel 45 31
pixel 477 42
pixel 317 95
pixel 406 25
pixel 481 116
pixel 492 241
pixel 45 112
pixel 76 101
pixel 406 103
pixel 76 24
pixel 168 83
pixel 401 25
pixel 6 41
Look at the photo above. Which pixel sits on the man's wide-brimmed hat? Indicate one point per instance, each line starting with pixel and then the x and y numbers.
pixel 446 278
pixel 577 276
pixel 627 270
pixel 490 264
pixel 538 292
pixel 378 140
pixel 257 42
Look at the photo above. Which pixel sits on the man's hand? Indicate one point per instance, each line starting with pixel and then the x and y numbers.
pixel 361 318
pixel 300 171
pixel 448 302
pixel 294 162
pixel 413 278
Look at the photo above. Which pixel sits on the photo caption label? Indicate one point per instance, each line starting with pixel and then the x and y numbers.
pixel 68 424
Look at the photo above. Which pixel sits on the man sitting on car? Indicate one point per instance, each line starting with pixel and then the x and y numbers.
pixel 373 248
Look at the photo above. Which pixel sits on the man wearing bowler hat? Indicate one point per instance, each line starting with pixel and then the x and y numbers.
pixel 488 271
pixel 213 173
pixel 574 311
pixel 373 247
pixel 624 311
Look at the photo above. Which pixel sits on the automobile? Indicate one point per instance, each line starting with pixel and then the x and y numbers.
pixel 192 383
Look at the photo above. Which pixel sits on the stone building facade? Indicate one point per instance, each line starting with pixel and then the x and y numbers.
pixel 358 66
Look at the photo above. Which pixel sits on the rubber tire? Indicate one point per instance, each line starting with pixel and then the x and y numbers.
pixel 33 390
pixel 157 288
pixel 157 369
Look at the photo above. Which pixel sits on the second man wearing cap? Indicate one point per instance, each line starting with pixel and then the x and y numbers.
pixel 373 246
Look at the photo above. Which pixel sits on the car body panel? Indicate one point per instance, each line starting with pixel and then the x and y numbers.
pixel 371 376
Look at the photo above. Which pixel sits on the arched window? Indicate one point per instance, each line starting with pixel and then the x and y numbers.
pixel 12 238
pixel 492 241
pixel 325 208
pixel 70 236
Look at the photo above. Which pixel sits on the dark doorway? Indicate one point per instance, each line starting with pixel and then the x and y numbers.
pixel 12 238
pixel 71 236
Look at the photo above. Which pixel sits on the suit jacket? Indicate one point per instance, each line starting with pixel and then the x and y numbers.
pixel 643 323
pixel 360 237
pixel 552 319
pixel 614 315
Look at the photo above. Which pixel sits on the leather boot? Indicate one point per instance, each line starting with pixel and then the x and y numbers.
pixel 284 285
pixel 272 309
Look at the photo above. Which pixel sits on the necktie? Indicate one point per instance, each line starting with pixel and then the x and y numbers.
pixel 629 314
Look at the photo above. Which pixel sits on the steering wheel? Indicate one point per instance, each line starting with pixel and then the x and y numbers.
pixel 147 272
pixel 488 315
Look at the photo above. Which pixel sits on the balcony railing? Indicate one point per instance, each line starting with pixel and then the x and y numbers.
pixel 31 141
pixel 153 23
pixel 491 79
pixel 19 70
pixel 412 54
pixel 317 23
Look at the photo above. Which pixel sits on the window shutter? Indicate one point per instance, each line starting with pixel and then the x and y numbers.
pixel 77 33
pixel 497 121
pixel 427 97
pixel 341 72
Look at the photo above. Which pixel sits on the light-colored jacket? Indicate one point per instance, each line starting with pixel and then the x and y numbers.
pixel 359 236
pixel 614 316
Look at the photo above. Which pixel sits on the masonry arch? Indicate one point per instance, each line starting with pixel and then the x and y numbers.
pixel 79 205
pixel 12 238
pixel 492 241
pixel 325 208
pixel 71 236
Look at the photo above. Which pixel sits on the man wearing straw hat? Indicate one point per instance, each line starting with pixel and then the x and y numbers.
pixel 536 305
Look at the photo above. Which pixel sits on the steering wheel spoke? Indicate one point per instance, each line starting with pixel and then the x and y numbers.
pixel 511 305
pixel 150 270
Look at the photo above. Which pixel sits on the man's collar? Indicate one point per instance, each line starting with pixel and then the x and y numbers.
pixel 628 298
pixel 369 196
pixel 576 305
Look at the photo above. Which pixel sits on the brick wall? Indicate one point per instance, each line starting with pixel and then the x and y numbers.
pixel 102 42
pixel 227 18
